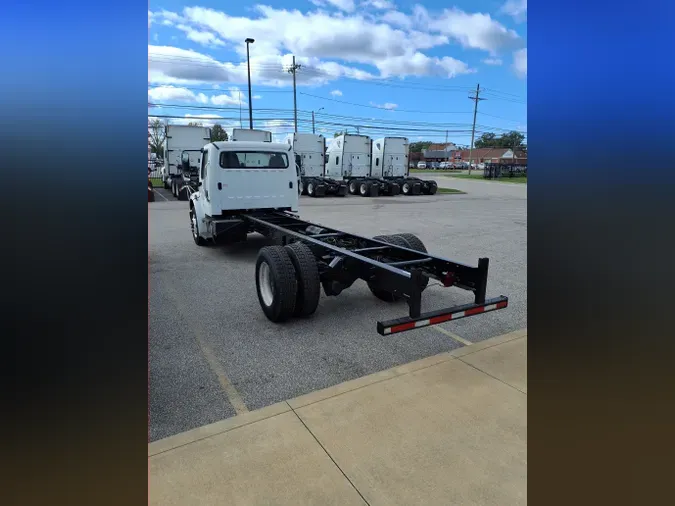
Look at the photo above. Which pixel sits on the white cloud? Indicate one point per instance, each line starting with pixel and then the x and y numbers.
pixel 336 93
pixel 329 45
pixel 380 4
pixel 517 9
pixel 172 93
pixel 200 37
pixel 492 61
pixel 419 64
pixel 343 5
pixel 388 105
pixel 279 128
pixel 257 97
pixel 234 97
pixel 520 62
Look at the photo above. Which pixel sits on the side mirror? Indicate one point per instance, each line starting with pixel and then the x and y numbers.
pixel 185 160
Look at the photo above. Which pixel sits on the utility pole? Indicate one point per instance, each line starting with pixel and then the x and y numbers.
pixel 250 102
pixel 292 70
pixel 473 129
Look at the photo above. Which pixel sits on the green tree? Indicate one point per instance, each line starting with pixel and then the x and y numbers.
pixel 507 140
pixel 195 123
pixel 418 147
pixel 487 140
pixel 338 134
pixel 218 133
pixel 157 131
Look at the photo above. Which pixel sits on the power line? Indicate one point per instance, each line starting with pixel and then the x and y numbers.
pixel 383 108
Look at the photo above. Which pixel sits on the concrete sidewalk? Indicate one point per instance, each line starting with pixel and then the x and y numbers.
pixel 448 429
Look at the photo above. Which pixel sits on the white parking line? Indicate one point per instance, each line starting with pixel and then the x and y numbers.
pixel 452 336
pixel 158 193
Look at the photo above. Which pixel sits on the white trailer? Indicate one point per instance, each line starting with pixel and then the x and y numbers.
pixel 310 162
pixel 237 194
pixel 349 159
pixel 177 140
pixel 390 162
pixel 251 135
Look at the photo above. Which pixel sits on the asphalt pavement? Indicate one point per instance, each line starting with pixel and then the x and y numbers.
pixel 214 354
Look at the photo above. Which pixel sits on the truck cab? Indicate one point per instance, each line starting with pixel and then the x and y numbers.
pixel 242 177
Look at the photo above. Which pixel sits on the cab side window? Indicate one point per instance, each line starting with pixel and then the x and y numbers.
pixel 205 160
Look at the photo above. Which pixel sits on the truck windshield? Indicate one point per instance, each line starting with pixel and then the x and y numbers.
pixel 253 160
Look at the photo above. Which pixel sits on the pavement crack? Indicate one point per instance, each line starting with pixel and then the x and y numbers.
pixel 329 455
pixel 494 377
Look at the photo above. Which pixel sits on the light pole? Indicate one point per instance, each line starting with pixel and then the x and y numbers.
pixel 250 103
pixel 313 129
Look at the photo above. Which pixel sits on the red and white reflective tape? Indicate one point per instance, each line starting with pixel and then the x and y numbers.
pixel 444 318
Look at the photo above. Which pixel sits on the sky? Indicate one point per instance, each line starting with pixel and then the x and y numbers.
pixel 379 67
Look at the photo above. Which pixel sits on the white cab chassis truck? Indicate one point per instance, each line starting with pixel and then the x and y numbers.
pixel 390 162
pixel 177 140
pixel 310 161
pixel 348 158
pixel 246 187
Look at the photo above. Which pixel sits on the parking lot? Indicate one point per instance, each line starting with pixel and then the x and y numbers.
pixel 213 353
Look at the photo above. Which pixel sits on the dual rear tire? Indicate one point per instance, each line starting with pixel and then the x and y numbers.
pixel 409 241
pixel 287 281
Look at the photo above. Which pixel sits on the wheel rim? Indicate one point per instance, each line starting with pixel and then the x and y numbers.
pixel 352 187
pixel 265 284
pixel 310 188
pixel 406 187
pixel 301 186
pixel 363 189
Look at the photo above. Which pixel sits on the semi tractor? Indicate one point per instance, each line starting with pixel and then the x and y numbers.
pixel 310 161
pixel 177 139
pixel 390 162
pixel 249 187
pixel 349 159
pixel 243 134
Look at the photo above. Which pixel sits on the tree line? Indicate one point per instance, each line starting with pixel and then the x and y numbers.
pixel 487 140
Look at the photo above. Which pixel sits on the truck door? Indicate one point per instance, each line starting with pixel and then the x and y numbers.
pixel 256 178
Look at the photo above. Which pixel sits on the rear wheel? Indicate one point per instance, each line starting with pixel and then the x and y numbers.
pixel 433 188
pixel 276 283
pixel 376 290
pixel 406 188
pixel 311 189
pixel 364 189
pixel 307 278
pixel 352 188
pixel 414 242
pixel 301 188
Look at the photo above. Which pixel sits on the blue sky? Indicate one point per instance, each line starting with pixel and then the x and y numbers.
pixel 387 66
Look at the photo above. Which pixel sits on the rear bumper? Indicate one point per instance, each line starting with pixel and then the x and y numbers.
pixel 442 315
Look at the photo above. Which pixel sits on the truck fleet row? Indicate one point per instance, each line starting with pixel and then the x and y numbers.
pixel 354 164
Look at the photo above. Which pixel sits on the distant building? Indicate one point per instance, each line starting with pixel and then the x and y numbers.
pixel 439 152
pixel 493 155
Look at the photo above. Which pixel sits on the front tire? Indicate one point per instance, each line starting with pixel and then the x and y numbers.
pixel 311 189
pixel 276 283
pixel 194 226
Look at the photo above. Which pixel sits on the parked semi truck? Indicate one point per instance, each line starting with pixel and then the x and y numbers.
pixel 180 138
pixel 238 195
pixel 349 158
pixel 310 161
pixel 390 162
pixel 244 134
